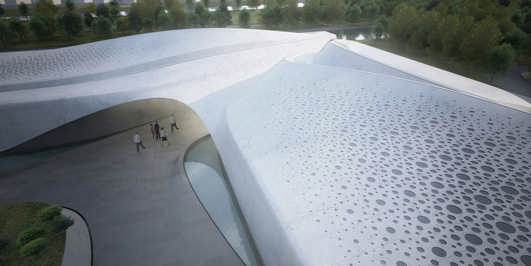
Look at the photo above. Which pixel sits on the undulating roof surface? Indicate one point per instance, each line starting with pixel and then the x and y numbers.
pixel 366 169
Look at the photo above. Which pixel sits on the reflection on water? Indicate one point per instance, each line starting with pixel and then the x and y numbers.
pixel 206 175
pixel 357 34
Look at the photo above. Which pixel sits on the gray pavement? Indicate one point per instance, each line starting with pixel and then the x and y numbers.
pixel 140 207
pixel 512 81
pixel 78 249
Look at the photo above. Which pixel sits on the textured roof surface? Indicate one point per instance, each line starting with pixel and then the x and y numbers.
pixel 367 169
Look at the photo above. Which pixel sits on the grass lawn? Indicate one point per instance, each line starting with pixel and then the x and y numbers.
pixel 19 216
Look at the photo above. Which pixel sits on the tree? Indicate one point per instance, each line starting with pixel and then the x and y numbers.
pixel 426 23
pixel 483 36
pixel 202 15
pixel 156 13
pixel 311 12
pixel 135 21
pixel 147 23
pixel 1 10
pixel 222 16
pixel 190 4
pixel 47 11
pixel 23 9
pixel 72 21
pixel 16 26
pixel 403 23
pixel 499 59
pixel 271 16
pixel 238 3
pixel 163 19
pixel 122 24
pixel 292 14
pixel 244 18
pixel 70 6
pixel 40 27
pixel 206 3
pixel 114 9
pixel 353 13
pixel 87 18
pixel 517 38
pixel 333 11
pixel 102 10
pixel 378 30
pixel 176 11
pixel 453 29
pixel 148 11
pixel 370 8
pixel 92 8
pixel 102 26
pixel 4 33
pixel 253 3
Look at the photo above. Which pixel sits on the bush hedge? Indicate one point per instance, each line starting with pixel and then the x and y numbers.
pixel 49 213
pixel 28 235
pixel 34 247
pixel 61 223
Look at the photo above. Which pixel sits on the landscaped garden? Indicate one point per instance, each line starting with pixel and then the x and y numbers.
pixel 32 233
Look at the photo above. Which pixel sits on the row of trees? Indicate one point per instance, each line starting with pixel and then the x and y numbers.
pixel 314 12
pixel 46 21
pixel 49 22
pixel 484 33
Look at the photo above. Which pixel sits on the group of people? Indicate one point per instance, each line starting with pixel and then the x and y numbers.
pixel 157 132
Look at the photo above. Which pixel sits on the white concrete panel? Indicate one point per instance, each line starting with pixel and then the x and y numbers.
pixel 436 75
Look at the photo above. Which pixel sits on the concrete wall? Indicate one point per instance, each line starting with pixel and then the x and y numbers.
pixel 105 122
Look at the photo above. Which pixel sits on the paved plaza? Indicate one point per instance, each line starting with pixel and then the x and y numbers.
pixel 140 207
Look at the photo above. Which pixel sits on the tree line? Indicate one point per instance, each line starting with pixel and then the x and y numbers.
pixel 47 22
pixel 486 33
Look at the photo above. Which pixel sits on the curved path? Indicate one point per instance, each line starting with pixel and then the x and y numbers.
pixel 140 208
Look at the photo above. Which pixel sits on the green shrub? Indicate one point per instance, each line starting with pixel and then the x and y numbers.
pixel 244 18
pixel 4 241
pixel 40 27
pixel 34 247
pixel 102 26
pixel 61 223
pixel 28 235
pixel 49 213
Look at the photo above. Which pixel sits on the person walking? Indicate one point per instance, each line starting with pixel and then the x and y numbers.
pixel 152 130
pixel 138 142
pixel 156 127
pixel 164 137
pixel 173 124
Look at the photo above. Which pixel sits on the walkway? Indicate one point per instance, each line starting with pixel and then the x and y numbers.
pixel 78 249
pixel 140 207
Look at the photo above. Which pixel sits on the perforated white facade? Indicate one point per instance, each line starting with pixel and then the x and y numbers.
pixel 333 162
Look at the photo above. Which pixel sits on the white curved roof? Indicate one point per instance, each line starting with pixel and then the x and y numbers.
pixel 368 169
pixel 332 165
